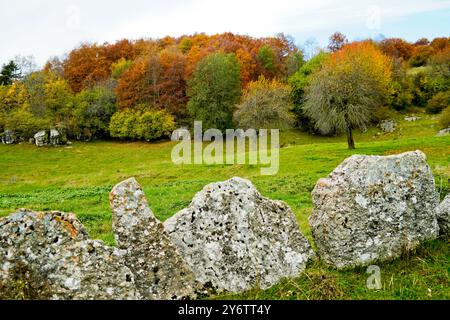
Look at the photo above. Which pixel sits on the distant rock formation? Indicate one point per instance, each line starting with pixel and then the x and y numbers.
pixel 388 126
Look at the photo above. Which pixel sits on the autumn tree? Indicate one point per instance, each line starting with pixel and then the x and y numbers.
pixel 155 79
pixel 397 48
pixel 90 64
pixel 336 41
pixel 344 94
pixel 214 90
pixel 265 104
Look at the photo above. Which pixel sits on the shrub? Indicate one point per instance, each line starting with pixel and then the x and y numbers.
pixel 445 118
pixel 438 102
pixel 122 124
pixel 148 125
pixel 24 123
pixel 154 125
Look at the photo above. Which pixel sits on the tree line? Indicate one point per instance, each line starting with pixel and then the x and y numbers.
pixel 143 89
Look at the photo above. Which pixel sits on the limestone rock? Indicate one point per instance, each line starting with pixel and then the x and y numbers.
pixel 443 132
pixel 374 207
pixel 159 270
pixel 49 256
pixel 48 137
pixel 8 137
pixel 388 126
pixel 443 216
pixel 235 239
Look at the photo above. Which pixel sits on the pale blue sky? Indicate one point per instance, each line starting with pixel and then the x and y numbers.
pixel 45 28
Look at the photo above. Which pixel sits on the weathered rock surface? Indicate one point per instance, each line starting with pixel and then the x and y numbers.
pixel 48 137
pixel 235 239
pixel 443 216
pixel 374 207
pixel 159 270
pixel 8 137
pixel 443 132
pixel 49 256
pixel 388 126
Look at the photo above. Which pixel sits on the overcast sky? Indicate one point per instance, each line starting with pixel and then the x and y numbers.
pixel 45 28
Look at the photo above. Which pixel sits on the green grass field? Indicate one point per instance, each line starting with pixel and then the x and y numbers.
pixel 78 178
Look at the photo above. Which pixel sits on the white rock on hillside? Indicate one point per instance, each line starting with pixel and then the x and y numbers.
pixel 235 239
pixel 374 207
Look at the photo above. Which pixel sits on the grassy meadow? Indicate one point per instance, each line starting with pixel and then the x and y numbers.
pixel 78 178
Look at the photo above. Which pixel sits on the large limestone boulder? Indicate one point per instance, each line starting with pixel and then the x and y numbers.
pixel 443 216
pixel 159 270
pixel 373 208
pixel 49 256
pixel 235 239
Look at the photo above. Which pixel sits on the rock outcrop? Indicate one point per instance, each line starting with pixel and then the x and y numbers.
pixel 159 270
pixel 373 208
pixel 388 126
pixel 47 255
pixel 443 217
pixel 235 239
pixel 443 132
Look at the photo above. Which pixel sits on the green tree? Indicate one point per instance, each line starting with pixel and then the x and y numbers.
pixel 94 108
pixel 267 57
pixel 9 73
pixel 346 92
pixel 214 90
pixel 299 81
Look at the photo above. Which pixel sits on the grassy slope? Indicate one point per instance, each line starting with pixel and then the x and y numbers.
pixel 78 178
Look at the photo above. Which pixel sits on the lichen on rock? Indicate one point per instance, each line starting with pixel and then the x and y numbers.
pixel 235 239
pixel 374 208
pixel 47 255
pixel 443 217
pixel 160 271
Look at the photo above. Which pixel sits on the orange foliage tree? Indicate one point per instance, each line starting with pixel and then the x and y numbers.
pixel 344 94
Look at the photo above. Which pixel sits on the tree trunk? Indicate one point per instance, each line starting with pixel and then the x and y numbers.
pixel 350 141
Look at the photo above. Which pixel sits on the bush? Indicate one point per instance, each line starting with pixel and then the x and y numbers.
pixel 24 123
pixel 148 125
pixel 438 102
pixel 154 125
pixel 401 97
pixel 445 118
pixel 122 125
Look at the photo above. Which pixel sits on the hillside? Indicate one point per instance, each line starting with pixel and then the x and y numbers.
pixel 78 178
